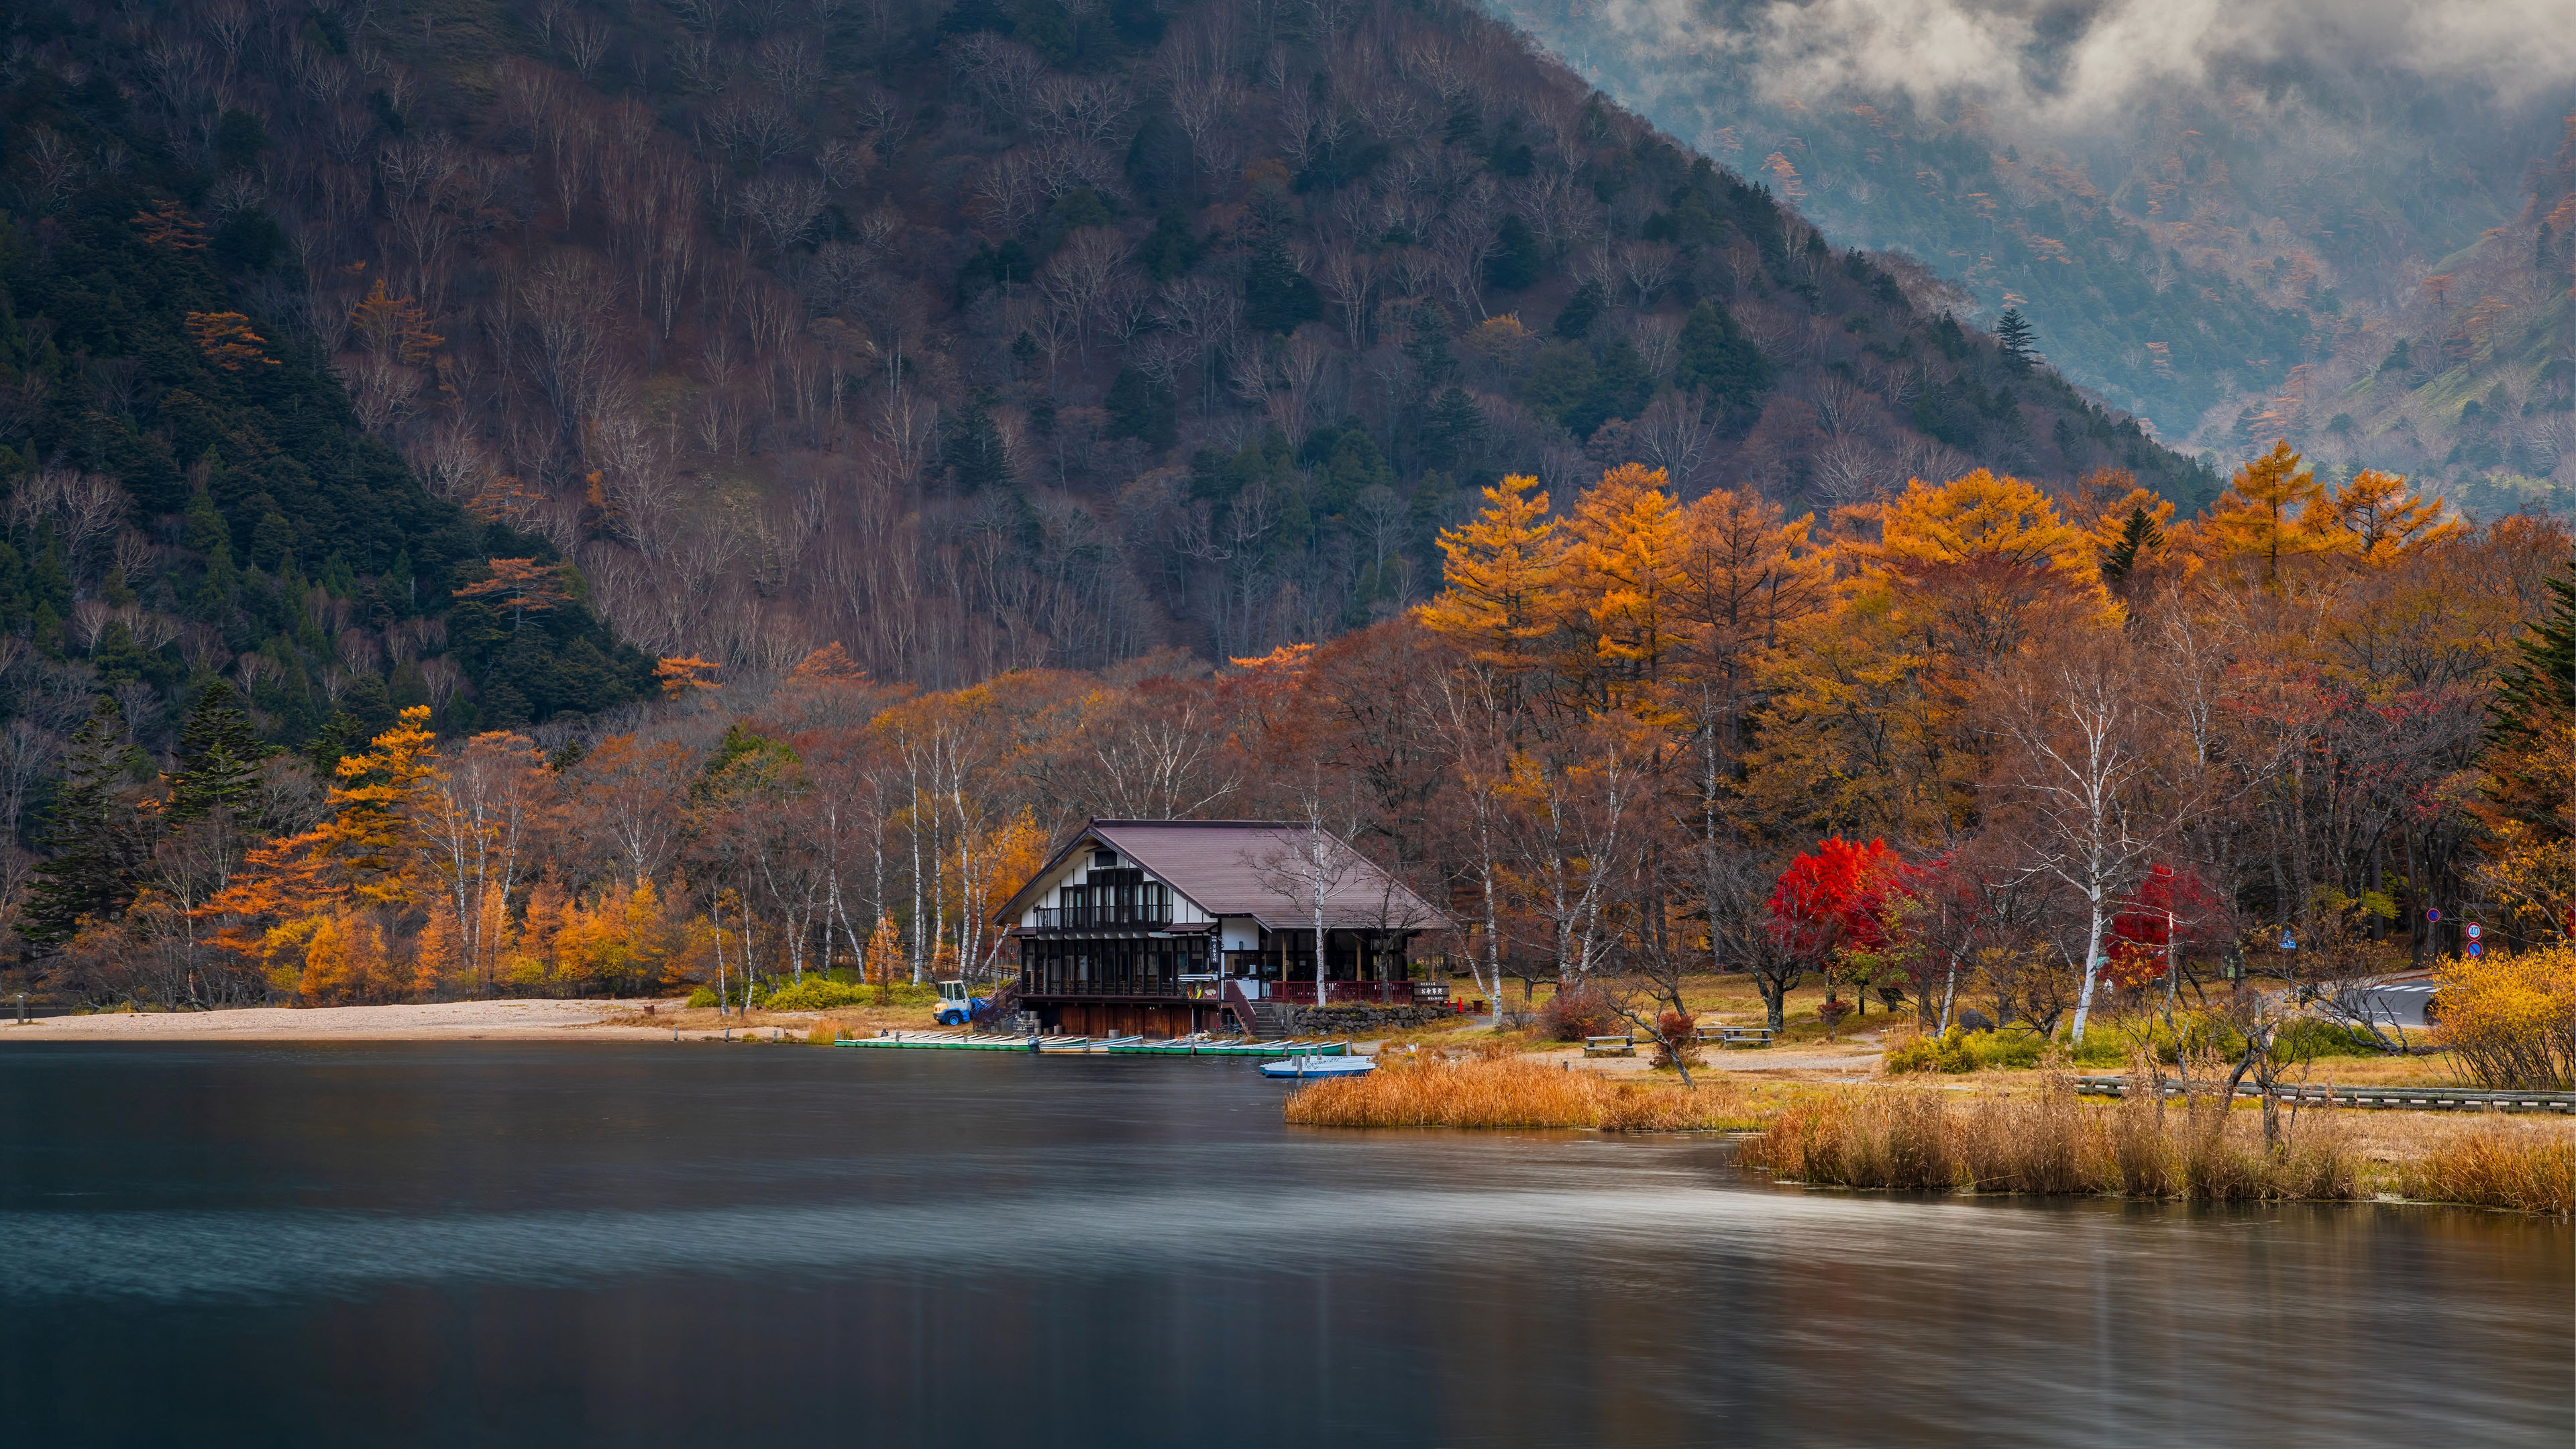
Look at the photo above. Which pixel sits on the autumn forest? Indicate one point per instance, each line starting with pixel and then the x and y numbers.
pixel 601 500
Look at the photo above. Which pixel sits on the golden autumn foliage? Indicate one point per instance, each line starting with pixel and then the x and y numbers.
pixel 2511 1016
pixel 394 327
pixel 2273 515
pixel 526 585
pixel 680 675
pixel 167 224
pixel 227 341
pixel 2386 521
pixel 1620 585
pixel 1980 562
pixel 1500 577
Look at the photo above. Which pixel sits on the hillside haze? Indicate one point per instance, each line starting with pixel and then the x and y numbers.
pixel 2227 222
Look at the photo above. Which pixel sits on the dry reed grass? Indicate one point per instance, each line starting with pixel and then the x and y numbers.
pixel 1499 1091
pixel 2526 1166
pixel 2050 1143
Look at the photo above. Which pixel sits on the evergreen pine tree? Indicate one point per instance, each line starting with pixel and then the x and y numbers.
pixel 2139 537
pixel 94 839
pixel 2013 335
pixel 1429 348
pixel 1575 321
pixel 2541 686
pixel 1454 428
pixel 1715 354
pixel 973 448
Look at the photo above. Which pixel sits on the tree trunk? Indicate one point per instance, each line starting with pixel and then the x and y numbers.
pixel 2092 967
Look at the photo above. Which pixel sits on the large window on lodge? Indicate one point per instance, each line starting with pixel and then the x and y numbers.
pixel 1116 898
pixel 1136 967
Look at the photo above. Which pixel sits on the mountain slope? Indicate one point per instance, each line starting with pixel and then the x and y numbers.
pixel 187 491
pixel 1011 334
pixel 2184 235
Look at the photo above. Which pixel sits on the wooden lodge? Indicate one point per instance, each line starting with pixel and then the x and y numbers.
pixel 1161 928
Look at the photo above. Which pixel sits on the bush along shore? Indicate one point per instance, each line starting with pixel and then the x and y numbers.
pixel 2046 1141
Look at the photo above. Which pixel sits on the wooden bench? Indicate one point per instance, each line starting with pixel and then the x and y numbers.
pixel 1623 1045
pixel 1726 1036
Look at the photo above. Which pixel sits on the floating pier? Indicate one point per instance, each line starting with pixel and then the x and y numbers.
pixel 1129 1046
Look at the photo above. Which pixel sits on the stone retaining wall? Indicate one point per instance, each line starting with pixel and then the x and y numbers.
pixel 1365 1020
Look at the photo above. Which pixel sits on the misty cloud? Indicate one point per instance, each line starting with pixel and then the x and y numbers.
pixel 2071 64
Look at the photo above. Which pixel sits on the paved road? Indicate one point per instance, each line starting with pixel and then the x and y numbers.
pixel 2401 1004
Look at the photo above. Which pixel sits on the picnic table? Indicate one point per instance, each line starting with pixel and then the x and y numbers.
pixel 1622 1045
pixel 1726 1036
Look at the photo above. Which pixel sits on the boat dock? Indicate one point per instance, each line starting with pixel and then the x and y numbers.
pixel 1133 1046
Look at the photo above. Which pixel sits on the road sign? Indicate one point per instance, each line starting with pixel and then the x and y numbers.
pixel 2433 914
pixel 2474 932
pixel 2477 948
pixel 2288 943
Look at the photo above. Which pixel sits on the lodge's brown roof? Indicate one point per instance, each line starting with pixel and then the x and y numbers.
pixel 1242 868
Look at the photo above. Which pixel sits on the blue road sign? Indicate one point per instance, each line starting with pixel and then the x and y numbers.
pixel 2474 932
pixel 2477 948
pixel 2433 914
pixel 2287 943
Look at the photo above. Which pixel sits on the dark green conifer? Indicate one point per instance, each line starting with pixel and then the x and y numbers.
pixel 2013 335
pixel 2138 537
pixel 95 840
pixel 2541 685
pixel 1716 355
pixel 219 757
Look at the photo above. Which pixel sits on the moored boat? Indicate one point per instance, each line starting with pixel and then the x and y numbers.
pixel 1349 1066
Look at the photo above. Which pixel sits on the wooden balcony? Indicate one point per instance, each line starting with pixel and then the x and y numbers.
pixel 1143 915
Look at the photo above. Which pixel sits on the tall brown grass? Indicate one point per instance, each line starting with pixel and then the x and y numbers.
pixel 2527 1166
pixel 2049 1143
pixel 1508 1092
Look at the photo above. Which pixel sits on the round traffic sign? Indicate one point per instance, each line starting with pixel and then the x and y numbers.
pixel 2474 932
pixel 2433 914
pixel 2477 948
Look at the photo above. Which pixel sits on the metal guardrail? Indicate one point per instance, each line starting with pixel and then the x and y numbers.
pixel 2414 1098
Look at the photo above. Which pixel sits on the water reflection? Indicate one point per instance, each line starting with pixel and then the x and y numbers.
pixel 704 1245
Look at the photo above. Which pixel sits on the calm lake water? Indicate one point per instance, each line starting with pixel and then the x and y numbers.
pixel 576 1244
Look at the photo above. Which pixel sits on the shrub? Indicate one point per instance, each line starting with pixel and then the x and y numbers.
pixel 818 992
pixel 2512 1018
pixel 2308 1037
pixel 1576 1012
pixel 1676 1042
pixel 1967 1051
pixel 814 993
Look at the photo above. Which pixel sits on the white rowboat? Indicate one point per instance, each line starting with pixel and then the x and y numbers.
pixel 1352 1066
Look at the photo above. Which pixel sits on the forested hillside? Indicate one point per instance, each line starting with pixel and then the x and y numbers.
pixel 2197 236
pixel 986 335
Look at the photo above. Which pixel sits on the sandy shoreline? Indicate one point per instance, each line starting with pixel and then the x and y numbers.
pixel 560 1020
pixel 449 1020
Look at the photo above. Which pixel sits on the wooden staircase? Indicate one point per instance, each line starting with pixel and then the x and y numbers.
pixel 1269 1020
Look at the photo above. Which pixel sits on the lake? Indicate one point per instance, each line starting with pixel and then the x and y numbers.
pixel 562 1244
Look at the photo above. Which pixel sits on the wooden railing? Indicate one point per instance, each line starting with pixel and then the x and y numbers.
pixel 1356 993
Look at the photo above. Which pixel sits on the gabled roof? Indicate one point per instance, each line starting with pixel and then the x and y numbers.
pixel 1247 868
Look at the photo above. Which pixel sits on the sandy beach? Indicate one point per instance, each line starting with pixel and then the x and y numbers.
pixel 555 1020
pixel 449 1020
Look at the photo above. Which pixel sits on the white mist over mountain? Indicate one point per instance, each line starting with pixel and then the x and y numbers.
pixel 2070 66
